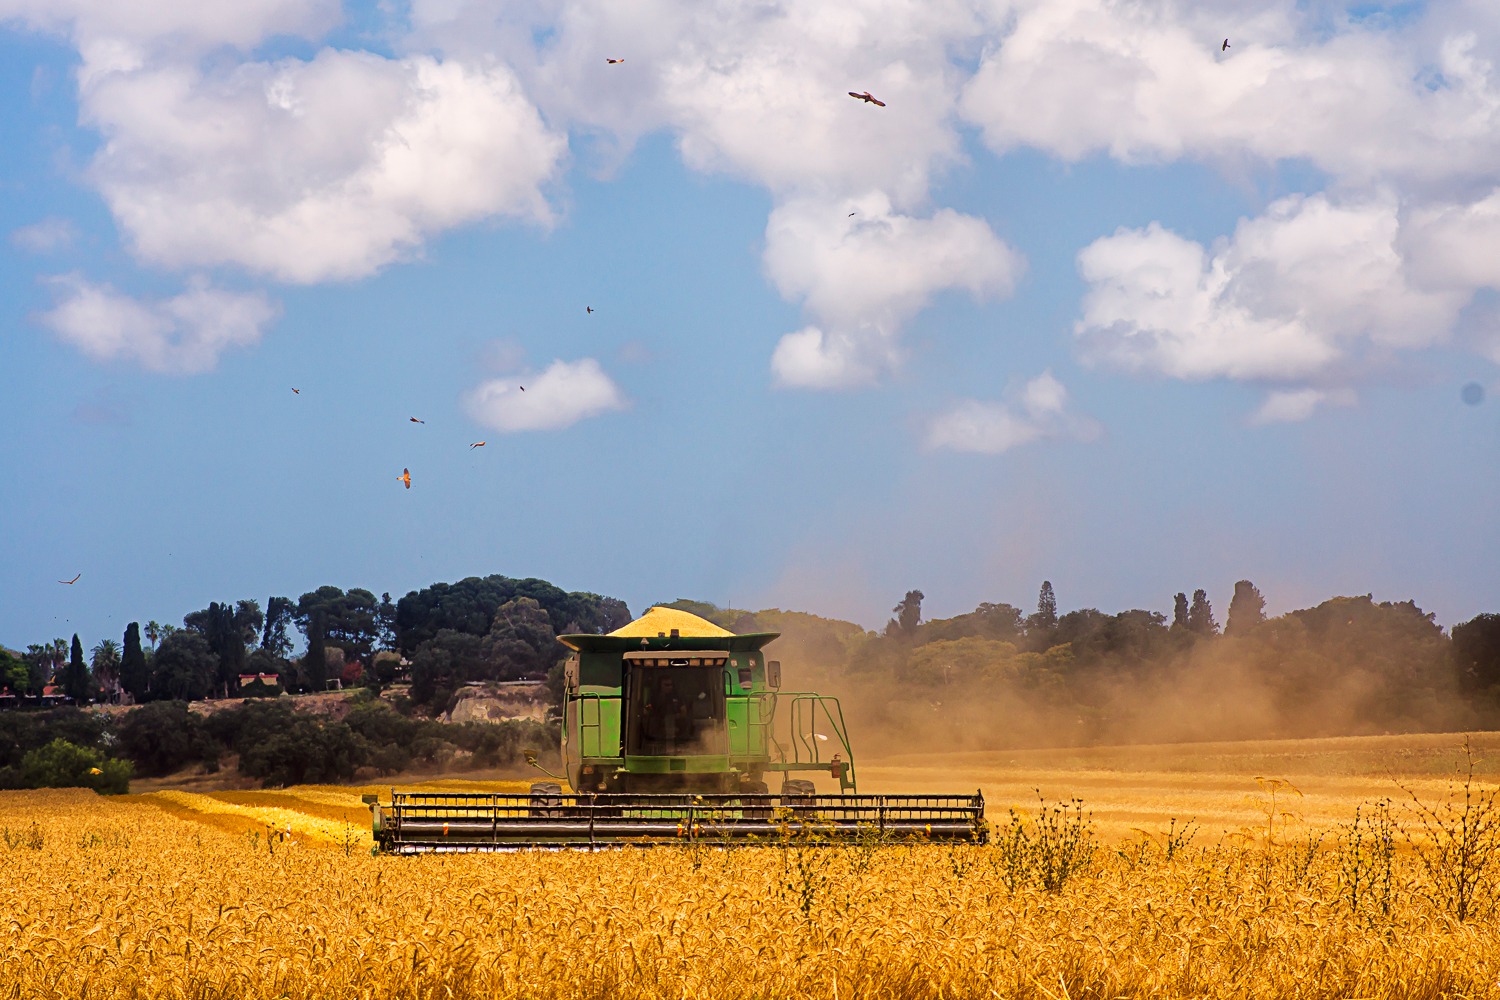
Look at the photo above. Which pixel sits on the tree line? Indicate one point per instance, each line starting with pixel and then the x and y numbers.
pixel 441 637
pixel 267 740
pixel 1002 676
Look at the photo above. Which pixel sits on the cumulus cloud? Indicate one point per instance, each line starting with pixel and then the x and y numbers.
pixel 134 27
pixel 314 170
pixel 1292 294
pixel 44 237
pixel 1038 411
pixel 1291 405
pixel 565 393
pixel 863 276
pixel 1148 82
pixel 181 335
pixel 756 91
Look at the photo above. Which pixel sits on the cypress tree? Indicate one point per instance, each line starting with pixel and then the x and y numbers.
pixel 1201 615
pixel 1180 613
pixel 1247 609
pixel 133 676
pixel 76 681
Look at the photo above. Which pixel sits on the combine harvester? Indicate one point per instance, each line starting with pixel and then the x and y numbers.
pixel 672 729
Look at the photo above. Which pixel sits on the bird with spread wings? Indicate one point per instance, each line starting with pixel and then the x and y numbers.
pixel 405 478
pixel 868 98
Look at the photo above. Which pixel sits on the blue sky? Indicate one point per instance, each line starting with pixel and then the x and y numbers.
pixel 1116 308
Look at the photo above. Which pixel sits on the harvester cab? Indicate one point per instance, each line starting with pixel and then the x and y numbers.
pixel 676 729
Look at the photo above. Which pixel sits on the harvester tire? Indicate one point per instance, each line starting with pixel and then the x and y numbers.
pixel 759 809
pixel 797 795
pixel 546 799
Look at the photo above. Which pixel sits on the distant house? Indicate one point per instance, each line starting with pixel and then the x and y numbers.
pixel 269 680
pixel 53 694
pixel 8 699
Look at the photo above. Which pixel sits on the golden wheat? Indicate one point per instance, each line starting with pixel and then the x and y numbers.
pixel 175 896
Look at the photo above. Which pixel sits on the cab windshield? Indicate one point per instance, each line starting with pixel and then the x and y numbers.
pixel 676 711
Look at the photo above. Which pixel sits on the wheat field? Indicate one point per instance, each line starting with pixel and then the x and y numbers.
pixel 275 894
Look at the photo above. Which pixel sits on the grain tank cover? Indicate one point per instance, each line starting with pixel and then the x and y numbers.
pixel 668 628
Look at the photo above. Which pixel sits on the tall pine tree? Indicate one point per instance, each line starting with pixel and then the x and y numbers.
pixel 1044 622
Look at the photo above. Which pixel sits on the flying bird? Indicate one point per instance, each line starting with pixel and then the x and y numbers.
pixel 297 391
pixel 405 477
pixel 1225 46
pixel 852 214
pixel 614 61
pixel 477 444
pixel 523 388
pixel 95 770
pixel 416 421
pixel 588 309
pixel 72 581
pixel 867 98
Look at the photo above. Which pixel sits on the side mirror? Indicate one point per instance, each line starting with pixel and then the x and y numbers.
pixel 773 674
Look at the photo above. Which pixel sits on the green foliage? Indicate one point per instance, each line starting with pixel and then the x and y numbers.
pixel 76 681
pixel 469 606
pixel 1247 609
pixel 343 619
pixel 134 675
pixel 1200 620
pixel 165 736
pixel 1476 652
pixel 908 612
pixel 183 667
pixel 61 764
pixel 1048 849
pixel 521 643
pixel 14 676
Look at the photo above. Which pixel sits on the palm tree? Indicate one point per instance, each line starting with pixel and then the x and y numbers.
pixel 153 632
pixel 106 664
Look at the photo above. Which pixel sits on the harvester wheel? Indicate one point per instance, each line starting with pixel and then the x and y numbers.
pixel 546 799
pixel 759 809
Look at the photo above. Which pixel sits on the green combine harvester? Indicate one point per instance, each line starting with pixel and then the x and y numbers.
pixel 674 730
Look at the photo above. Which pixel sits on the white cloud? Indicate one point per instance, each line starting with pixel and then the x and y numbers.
pixel 182 335
pixel 44 237
pixel 1291 405
pixel 567 392
pixel 180 24
pixel 1149 82
pixel 863 276
pixel 757 91
pixel 1038 411
pixel 1294 293
pixel 314 170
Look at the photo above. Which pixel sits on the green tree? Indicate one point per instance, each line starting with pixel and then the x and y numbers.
pixel 135 677
pixel 315 662
pixel 1476 651
pixel 281 616
pixel 61 764
pixel 521 643
pixel 1180 613
pixel 104 663
pixel 153 633
pixel 76 681
pixel 165 736
pixel 908 612
pixel 1201 615
pixel 347 619
pixel 14 677
pixel 1247 609
pixel 184 667
pixel 1041 625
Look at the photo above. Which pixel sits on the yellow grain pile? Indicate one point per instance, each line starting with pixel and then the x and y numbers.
pixel 108 898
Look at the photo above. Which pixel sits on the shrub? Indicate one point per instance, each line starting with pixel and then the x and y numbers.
pixel 61 764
